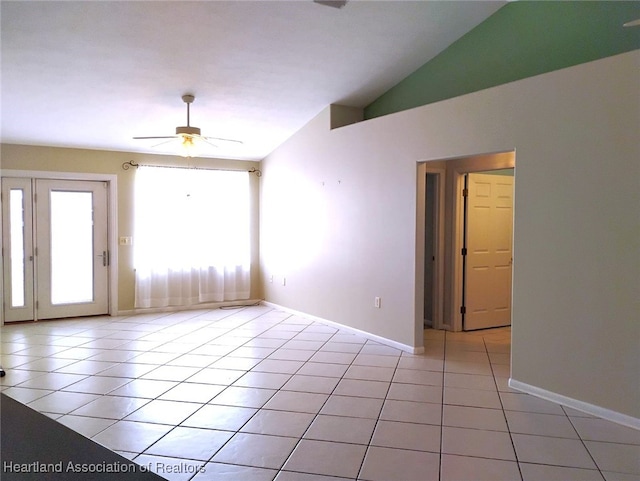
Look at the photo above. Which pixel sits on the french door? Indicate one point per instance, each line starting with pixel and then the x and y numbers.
pixel 54 239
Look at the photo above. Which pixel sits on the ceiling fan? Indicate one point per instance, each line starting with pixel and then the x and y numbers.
pixel 187 135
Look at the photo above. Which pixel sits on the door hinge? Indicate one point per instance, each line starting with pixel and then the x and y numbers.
pixel 465 192
pixel 105 258
pixel 463 310
pixel 464 251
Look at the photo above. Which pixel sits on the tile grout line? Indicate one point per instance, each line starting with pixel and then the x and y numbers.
pixel 207 403
pixel 323 404
pixel 444 360
pixel 595 463
pixel 160 394
pixel 277 390
pixel 210 460
pixel 202 406
pixel 377 420
pixel 493 375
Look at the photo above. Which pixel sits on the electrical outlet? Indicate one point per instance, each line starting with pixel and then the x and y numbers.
pixel 271 279
pixel 376 302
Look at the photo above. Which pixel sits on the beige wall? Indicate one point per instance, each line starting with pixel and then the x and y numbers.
pixel 338 221
pixel 51 159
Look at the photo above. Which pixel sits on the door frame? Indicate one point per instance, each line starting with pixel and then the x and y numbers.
pixel 111 181
pixel 451 210
pixel 421 214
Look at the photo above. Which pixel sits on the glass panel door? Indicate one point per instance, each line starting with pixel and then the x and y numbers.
pixel 56 260
pixel 72 260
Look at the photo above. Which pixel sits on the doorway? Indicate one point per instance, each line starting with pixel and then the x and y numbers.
pixel 55 239
pixel 433 248
pixel 439 284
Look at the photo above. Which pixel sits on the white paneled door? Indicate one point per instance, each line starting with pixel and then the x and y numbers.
pixel 489 238
pixel 54 238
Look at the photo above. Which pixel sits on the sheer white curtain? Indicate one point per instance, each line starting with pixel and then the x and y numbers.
pixel 191 239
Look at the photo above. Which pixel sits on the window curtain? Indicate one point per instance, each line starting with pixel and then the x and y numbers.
pixel 191 239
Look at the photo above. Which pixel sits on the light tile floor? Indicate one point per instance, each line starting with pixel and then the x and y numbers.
pixel 260 394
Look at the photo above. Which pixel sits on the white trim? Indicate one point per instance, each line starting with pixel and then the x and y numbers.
pixel 439 322
pixel 424 169
pixel 46 174
pixel 112 215
pixel 576 404
pixel 456 258
pixel 373 337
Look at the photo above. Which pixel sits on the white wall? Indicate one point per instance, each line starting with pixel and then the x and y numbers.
pixel 338 220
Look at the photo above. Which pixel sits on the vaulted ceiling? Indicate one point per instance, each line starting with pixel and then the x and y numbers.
pixel 95 74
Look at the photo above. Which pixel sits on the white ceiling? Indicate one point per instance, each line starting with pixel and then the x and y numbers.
pixel 93 74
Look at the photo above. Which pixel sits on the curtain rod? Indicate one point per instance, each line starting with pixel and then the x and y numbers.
pixel 131 163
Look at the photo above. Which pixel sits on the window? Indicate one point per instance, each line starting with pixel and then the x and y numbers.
pixel 192 236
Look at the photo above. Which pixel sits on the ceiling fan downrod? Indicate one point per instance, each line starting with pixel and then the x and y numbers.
pixel 188 99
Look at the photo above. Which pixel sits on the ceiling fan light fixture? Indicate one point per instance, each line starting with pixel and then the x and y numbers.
pixel 188 146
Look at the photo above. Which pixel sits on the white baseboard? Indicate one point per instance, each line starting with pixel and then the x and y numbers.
pixel 576 404
pixel 195 307
pixel 367 335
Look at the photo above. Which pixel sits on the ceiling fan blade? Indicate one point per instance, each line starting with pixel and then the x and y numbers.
pixel 161 137
pixel 223 140
pixel 206 140
pixel 162 143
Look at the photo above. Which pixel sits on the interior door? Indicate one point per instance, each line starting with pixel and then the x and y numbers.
pixel 64 253
pixel 488 263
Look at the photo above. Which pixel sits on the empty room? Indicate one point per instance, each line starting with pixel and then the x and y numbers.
pixel 320 240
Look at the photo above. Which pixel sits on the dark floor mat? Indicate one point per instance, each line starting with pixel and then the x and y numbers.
pixel 35 447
